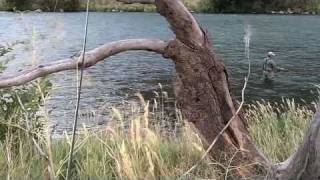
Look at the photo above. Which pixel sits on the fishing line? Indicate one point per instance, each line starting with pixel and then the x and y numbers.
pixel 78 92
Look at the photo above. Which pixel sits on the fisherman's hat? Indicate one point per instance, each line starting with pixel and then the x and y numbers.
pixel 271 54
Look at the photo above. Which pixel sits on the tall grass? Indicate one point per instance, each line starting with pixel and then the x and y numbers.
pixel 278 128
pixel 140 143
pixel 143 145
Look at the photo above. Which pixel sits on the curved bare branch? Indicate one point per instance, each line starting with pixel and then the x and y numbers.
pixel 91 58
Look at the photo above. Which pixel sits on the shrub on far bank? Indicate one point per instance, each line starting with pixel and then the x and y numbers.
pixel 44 5
pixel 18 4
pixel 209 6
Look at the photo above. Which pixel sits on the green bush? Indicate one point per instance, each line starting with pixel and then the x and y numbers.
pixel 19 4
pixel 19 105
pixel 45 5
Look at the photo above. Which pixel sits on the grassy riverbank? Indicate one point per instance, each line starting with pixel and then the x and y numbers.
pixel 209 6
pixel 136 143
pixel 114 5
pixel 95 5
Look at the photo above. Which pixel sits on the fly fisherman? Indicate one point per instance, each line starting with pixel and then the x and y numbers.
pixel 270 67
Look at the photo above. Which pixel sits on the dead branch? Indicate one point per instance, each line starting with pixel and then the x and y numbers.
pixel 91 58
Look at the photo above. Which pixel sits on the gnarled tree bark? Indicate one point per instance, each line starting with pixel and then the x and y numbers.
pixel 202 94
pixel 202 88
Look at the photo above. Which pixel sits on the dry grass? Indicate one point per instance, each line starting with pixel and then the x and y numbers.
pixel 143 145
pixel 278 128
pixel 138 143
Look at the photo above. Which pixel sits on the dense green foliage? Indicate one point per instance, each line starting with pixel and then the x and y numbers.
pixel 44 5
pixel 264 6
pixel 19 105
pixel 115 6
pixel 19 4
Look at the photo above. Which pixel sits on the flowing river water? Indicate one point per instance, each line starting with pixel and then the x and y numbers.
pixel 47 37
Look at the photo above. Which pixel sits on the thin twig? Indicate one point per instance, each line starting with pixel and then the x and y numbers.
pixel 78 93
pixel 229 165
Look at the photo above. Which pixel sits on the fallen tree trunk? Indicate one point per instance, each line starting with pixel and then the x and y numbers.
pixel 202 94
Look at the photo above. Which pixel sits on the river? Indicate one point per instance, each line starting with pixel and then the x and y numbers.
pixel 48 37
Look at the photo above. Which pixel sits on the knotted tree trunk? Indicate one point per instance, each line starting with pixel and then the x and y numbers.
pixel 202 88
pixel 202 94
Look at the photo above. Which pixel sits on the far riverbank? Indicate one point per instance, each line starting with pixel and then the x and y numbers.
pixel 196 6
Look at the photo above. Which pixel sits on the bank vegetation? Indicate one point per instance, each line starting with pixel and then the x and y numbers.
pixel 148 143
pixel 207 6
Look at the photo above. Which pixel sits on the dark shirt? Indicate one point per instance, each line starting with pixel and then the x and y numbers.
pixel 270 66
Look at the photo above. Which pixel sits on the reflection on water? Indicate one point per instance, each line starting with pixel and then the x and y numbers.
pixel 49 37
